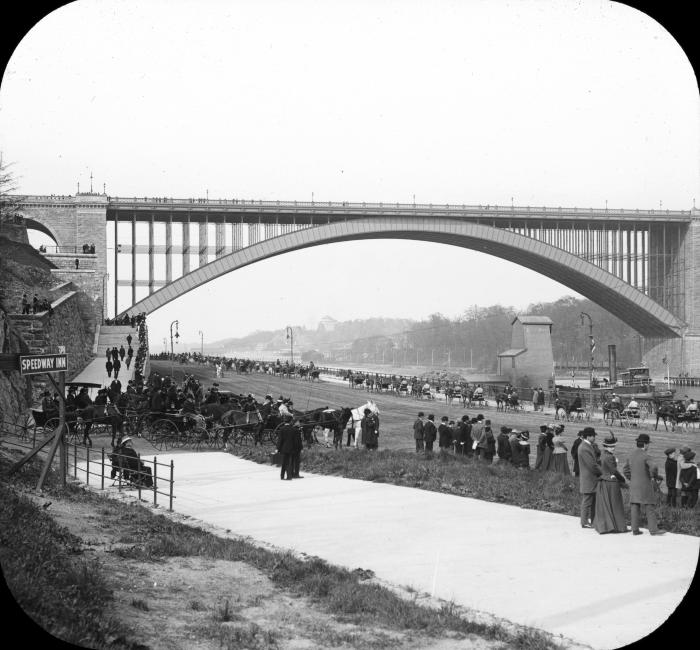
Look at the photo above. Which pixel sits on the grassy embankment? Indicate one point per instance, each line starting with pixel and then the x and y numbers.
pixel 463 476
pixel 71 598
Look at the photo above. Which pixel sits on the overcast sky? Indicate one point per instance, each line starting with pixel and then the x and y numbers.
pixel 538 103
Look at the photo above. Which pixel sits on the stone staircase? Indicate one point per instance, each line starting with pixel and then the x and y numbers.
pixel 109 337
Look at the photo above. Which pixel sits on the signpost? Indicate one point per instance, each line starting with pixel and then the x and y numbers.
pixel 35 364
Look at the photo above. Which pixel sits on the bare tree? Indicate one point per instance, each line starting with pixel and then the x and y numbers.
pixel 9 203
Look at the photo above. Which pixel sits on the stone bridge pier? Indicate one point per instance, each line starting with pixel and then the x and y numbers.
pixel 72 221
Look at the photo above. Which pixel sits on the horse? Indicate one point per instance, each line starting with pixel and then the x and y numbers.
pixel 512 403
pixel 561 410
pixel 501 400
pixel 96 414
pixel 333 421
pixel 356 418
pixel 667 411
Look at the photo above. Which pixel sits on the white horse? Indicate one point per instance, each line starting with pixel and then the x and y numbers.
pixel 356 420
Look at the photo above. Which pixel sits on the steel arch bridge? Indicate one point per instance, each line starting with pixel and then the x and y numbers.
pixel 637 264
pixel 607 290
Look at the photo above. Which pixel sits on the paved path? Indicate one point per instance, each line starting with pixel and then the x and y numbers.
pixel 535 568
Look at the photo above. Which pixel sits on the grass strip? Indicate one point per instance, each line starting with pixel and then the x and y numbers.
pixel 70 600
pixel 467 477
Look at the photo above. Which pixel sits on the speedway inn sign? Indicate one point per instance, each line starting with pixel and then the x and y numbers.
pixel 34 364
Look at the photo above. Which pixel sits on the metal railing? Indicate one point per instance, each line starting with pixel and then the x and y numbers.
pixel 65 250
pixel 90 464
pixel 125 477
pixel 388 205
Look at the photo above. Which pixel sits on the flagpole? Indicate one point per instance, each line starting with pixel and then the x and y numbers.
pixel 590 363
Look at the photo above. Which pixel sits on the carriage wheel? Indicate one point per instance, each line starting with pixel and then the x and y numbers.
pixel 51 424
pixel 199 436
pixel 25 426
pixel 164 434
pixel 216 437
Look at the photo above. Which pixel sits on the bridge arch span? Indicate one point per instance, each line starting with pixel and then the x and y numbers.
pixel 39 225
pixel 613 294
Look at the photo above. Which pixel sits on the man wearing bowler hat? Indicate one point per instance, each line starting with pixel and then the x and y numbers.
pixel 642 473
pixel 589 471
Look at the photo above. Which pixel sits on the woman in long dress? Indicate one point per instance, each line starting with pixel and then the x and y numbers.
pixel 547 456
pixel 541 443
pixel 609 509
pixel 560 462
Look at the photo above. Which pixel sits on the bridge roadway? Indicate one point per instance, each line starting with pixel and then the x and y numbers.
pixel 533 568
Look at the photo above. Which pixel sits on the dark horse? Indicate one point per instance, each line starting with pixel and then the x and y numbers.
pixel 334 420
pixel 667 411
pixel 95 414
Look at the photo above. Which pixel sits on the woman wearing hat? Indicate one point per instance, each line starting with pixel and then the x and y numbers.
pixel 560 462
pixel 609 509
pixel 541 443
pixel 688 479
pixel 548 453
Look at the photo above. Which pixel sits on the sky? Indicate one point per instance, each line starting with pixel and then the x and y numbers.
pixel 567 103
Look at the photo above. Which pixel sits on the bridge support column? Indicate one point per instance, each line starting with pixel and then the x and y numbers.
pixel 169 250
pixel 203 243
pixel 186 247
pixel 683 353
pixel 150 256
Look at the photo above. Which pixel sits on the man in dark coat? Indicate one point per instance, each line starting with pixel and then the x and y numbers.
pixel 589 471
pixel 643 474
pixel 503 446
pixel 574 451
pixel 298 446
pixel 671 471
pixel 128 340
pixel 463 438
pixel 115 353
pixel 370 430
pixel 444 434
pixel 429 434
pixel 109 367
pixel 116 365
pixel 418 427
pixel 122 352
pixel 286 446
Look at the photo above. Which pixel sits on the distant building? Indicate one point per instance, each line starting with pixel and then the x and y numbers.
pixel 327 324
pixel 529 361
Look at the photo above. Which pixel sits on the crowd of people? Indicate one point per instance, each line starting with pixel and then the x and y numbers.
pixel 133 320
pixel 36 305
pixel 600 480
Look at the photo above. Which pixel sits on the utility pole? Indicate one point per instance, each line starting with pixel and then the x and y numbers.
pixel 590 361
pixel 201 348
pixel 177 336
pixel 290 338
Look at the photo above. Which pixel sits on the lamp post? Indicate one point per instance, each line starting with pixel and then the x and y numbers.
pixel 590 361
pixel 165 344
pixel 290 338
pixel 201 349
pixel 177 336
